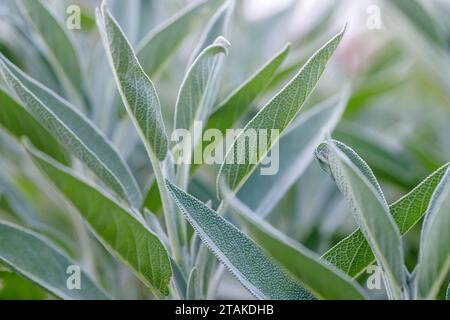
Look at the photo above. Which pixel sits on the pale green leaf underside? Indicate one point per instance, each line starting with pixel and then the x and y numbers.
pixel 296 148
pixel 258 273
pixel 136 89
pixel 434 256
pixel 158 45
pixel 60 48
pixel 199 88
pixel 75 132
pixel 277 114
pixel 113 224
pixel 325 282
pixel 353 254
pixel 37 260
pixel 365 198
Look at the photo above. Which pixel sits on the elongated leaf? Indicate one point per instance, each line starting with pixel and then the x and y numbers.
pixel 73 131
pixel 137 91
pixel 217 26
pixel 276 115
pixel 447 295
pixel 362 192
pixel 19 122
pixel 158 45
pixel 199 88
pixel 296 148
pixel 60 48
pixel 258 273
pixel 233 107
pixel 434 256
pixel 353 254
pixel 192 285
pixel 113 224
pixel 323 281
pixel 37 260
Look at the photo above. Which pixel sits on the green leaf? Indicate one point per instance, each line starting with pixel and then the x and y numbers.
pixel 325 282
pixel 275 115
pixel 37 260
pixel 199 88
pixel 61 51
pixel 19 122
pixel 240 255
pixel 159 44
pixel 362 192
pixel 447 295
pixel 113 224
pixel 192 285
pixel 136 89
pixel 434 255
pixel 217 26
pixel 76 133
pixel 353 254
pixel 296 148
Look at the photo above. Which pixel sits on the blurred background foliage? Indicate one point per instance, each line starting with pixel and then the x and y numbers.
pixel 397 118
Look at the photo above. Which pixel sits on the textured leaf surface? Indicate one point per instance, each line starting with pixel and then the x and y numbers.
pixel 76 133
pixel 434 256
pixel 353 254
pixel 158 45
pixel 296 148
pixel 325 282
pixel 243 258
pixel 37 260
pixel 136 89
pixel 366 200
pixel 113 224
pixel 277 114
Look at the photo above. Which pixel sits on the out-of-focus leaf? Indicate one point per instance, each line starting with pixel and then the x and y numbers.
pixel 324 281
pixel 192 285
pixel 296 149
pixel 15 287
pixel 61 51
pixel 137 90
pixel 353 254
pixel 158 45
pixel 113 224
pixel 73 131
pixel 275 115
pixel 34 258
pixel 258 273
pixel 363 193
pixel 434 256
pixel 19 122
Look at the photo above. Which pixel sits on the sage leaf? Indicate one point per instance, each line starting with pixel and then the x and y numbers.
pixel 115 225
pixel 135 87
pixel 73 131
pixel 36 259
pixel 434 255
pixel 277 114
pixel 366 200
pixel 296 148
pixel 240 255
pixel 353 254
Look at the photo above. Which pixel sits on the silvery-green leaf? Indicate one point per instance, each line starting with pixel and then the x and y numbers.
pixel 192 285
pixel 434 255
pixel 324 281
pixel 353 254
pixel 61 51
pixel 199 88
pixel 366 200
pixel 73 131
pixel 447 295
pixel 36 259
pixel 277 114
pixel 19 122
pixel 217 26
pixel 136 89
pixel 240 255
pixel 115 225
pixel 159 44
pixel 296 151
